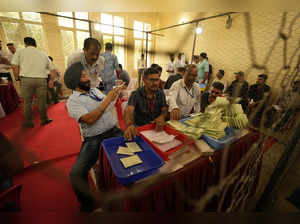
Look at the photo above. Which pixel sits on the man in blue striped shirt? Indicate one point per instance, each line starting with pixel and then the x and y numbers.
pixel 92 110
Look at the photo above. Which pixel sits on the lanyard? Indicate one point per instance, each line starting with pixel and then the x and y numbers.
pixel 188 92
pixel 93 96
pixel 151 108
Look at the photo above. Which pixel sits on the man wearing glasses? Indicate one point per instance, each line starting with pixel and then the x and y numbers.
pixel 146 104
pixel 209 97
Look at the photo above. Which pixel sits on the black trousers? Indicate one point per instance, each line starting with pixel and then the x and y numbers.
pixel 7 75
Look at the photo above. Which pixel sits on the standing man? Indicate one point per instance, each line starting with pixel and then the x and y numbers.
pixel 32 66
pixel 92 110
pixel 179 62
pixel 141 68
pixel 55 92
pixel 12 50
pixel 4 64
pixel 184 95
pixel 90 59
pixel 111 65
pixel 203 68
pixel 146 105
pixel 171 66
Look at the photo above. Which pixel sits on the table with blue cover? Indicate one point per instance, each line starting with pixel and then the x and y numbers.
pixel 193 179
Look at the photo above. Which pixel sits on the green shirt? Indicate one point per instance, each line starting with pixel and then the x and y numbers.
pixel 203 67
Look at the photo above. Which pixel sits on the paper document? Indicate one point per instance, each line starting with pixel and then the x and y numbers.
pixel 124 151
pixel 158 137
pixel 133 147
pixel 131 161
pixel 169 145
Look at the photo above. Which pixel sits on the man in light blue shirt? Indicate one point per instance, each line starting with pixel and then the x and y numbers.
pixel 203 68
pixel 108 74
pixel 92 110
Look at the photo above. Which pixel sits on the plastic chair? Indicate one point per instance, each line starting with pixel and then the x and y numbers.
pixel 10 200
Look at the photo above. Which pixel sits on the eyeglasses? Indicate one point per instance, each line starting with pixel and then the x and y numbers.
pixel 215 92
pixel 153 80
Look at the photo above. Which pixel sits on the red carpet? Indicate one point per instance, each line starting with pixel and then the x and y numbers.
pixel 47 187
pixel 41 143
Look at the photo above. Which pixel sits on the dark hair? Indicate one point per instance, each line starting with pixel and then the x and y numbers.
pixel 218 85
pixel 91 41
pixel 204 55
pixel 189 67
pixel 264 76
pixel 108 46
pixel 157 67
pixel 196 57
pixel 143 55
pixel 120 65
pixel 10 44
pixel 181 69
pixel 29 41
pixel 50 58
pixel 150 71
pixel 222 72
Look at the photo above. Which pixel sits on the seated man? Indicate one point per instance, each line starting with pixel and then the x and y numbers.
pixel 123 75
pixel 92 110
pixel 55 92
pixel 146 104
pixel 239 89
pixel 184 95
pixel 289 99
pixel 258 93
pixel 159 69
pixel 219 78
pixel 173 78
pixel 209 97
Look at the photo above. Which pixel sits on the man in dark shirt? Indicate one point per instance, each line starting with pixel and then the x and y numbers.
pixel 239 88
pixel 209 97
pixel 258 93
pixel 174 78
pixel 123 75
pixel 259 90
pixel 146 104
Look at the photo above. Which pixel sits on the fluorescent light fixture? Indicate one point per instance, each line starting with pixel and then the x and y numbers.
pixel 199 30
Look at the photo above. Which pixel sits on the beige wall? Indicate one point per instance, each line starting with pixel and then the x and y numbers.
pixel 227 48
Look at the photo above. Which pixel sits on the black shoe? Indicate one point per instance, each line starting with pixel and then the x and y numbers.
pixel 28 125
pixel 46 121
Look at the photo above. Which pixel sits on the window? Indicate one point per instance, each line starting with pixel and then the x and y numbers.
pixel 113 34
pixel 31 16
pixel 67 43
pixel 14 15
pixel 81 36
pixel 140 41
pixel 65 22
pixel 73 32
pixel 81 24
pixel 17 25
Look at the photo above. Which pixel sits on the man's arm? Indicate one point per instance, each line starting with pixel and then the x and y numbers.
pixel 16 71
pixel 131 130
pixel 173 107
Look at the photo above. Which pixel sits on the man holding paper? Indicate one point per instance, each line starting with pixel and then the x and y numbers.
pixel 185 94
pixel 146 104
pixel 92 110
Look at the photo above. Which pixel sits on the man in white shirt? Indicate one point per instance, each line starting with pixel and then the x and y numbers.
pixel 141 67
pixel 171 66
pixel 4 64
pixel 180 62
pixel 185 95
pixel 12 50
pixel 92 62
pixel 32 66
pixel 220 79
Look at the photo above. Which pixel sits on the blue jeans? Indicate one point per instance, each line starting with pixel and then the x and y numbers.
pixel 85 161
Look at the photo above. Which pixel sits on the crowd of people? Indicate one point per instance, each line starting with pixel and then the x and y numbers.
pixel 93 78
